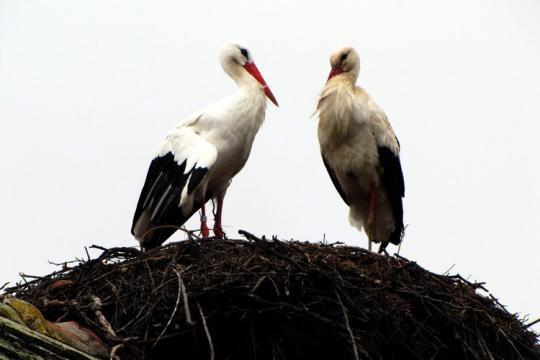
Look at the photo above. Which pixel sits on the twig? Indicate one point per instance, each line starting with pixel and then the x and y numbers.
pixel 286 305
pixel 149 272
pixel 180 283
pixel 210 345
pixel 157 228
pixel 192 234
pixel 348 326
pixel 101 318
pixel 185 299
pixel 532 323
pixel 64 264
pixel 335 243
pixel 510 342
pixel 259 282
pixel 30 276
pixel 260 243
pixel 448 271
pixel 248 235
pixel 114 350
pixel 59 303
pixel 403 258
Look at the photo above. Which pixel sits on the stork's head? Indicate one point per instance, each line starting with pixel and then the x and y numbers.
pixel 345 61
pixel 238 63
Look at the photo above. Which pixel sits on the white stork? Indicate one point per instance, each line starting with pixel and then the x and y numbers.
pixel 198 158
pixel 361 152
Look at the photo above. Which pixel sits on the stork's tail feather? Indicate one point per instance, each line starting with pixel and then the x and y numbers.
pixel 397 234
pixel 153 234
pixel 395 238
pixel 356 218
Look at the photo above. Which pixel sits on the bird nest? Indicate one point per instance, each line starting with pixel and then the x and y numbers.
pixel 262 299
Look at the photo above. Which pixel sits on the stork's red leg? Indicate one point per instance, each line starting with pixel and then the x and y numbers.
pixel 371 225
pixel 204 228
pixel 218 230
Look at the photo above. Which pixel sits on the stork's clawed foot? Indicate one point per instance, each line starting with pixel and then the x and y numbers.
pixel 218 232
pixel 205 232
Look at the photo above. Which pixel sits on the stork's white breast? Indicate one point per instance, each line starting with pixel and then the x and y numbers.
pixel 231 127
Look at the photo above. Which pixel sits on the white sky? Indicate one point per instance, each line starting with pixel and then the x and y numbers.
pixel 88 89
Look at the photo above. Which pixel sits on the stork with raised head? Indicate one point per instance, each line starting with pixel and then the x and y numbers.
pixel 198 158
pixel 361 152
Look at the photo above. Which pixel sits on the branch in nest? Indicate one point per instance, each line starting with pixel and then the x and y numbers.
pixel 114 350
pixel 210 345
pixel 181 290
pixel 101 318
pixel 348 326
pixel 532 323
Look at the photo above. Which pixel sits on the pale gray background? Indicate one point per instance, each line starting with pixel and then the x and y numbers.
pixel 88 89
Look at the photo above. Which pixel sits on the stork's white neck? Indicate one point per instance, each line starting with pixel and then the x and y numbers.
pixel 335 110
pixel 249 99
pixel 251 103
pixel 240 75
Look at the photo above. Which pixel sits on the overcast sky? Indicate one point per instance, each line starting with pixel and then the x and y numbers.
pixel 88 89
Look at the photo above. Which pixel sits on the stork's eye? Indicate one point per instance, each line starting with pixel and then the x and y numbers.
pixel 244 52
pixel 343 57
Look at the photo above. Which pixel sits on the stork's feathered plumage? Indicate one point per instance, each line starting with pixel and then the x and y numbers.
pixel 198 158
pixel 361 152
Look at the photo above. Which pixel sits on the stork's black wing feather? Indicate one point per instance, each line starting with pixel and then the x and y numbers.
pixel 335 180
pixel 392 180
pixel 158 206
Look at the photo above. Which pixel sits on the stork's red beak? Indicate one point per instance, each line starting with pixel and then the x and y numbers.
pixel 335 71
pixel 252 69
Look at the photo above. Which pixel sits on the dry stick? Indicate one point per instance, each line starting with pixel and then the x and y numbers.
pixel 532 323
pixel 285 305
pixel 27 284
pixel 348 326
pixel 157 228
pixel 210 345
pixel 180 283
pixel 511 343
pixel 30 276
pixel 64 264
pixel 447 272
pixel 258 241
pixel 190 233
pixel 248 235
pixel 259 282
pixel 185 299
pixel 114 350
pixel 59 303
pixel 482 344
pixel 99 247
pixel 101 318
pixel 164 227
pixel 145 262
